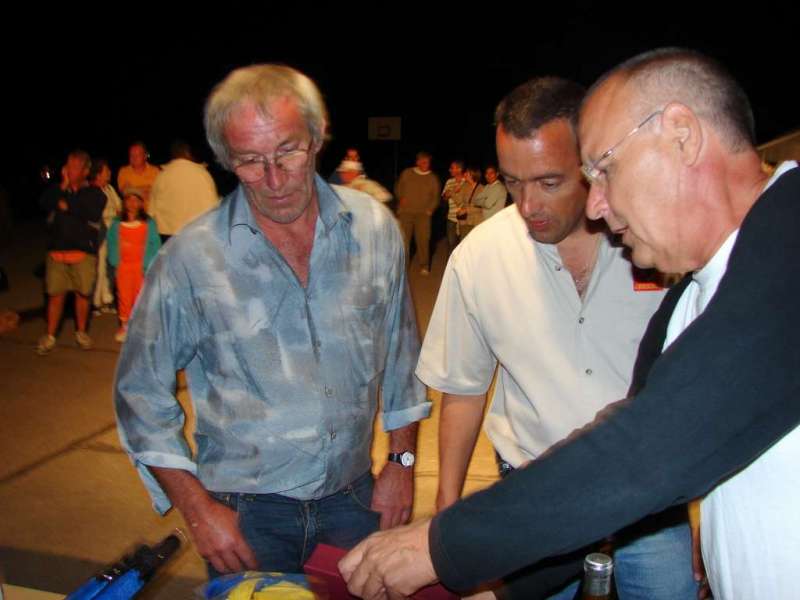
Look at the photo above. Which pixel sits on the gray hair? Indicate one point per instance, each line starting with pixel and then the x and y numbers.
pixel 81 155
pixel 262 85
pixel 681 75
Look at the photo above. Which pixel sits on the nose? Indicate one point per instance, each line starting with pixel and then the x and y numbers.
pixel 526 201
pixel 597 203
pixel 274 177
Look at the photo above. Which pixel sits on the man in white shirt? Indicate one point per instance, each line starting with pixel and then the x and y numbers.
pixel 542 296
pixel 182 191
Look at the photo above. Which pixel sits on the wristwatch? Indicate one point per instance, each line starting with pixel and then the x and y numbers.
pixel 402 458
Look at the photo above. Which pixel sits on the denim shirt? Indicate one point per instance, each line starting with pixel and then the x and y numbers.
pixel 284 379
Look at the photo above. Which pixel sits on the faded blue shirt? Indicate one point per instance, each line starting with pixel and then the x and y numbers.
pixel 284 379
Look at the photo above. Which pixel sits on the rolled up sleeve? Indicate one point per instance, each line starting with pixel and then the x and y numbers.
pixel 160 342
pixel 402 394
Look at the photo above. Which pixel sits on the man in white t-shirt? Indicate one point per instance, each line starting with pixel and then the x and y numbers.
pixel 541 295
pixel 182 192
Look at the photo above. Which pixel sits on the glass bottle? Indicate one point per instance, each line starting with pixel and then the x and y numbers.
pixel 597 570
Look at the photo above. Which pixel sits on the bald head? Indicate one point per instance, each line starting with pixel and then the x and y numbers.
pixel 667 141
pixel 656 78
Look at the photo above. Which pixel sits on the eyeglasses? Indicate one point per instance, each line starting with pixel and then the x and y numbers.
pixel 595 175
pixel 254 169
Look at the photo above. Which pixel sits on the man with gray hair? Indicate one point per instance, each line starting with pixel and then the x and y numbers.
pixel 667 145
pixel 288 308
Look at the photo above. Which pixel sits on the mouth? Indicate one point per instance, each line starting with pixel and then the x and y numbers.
pixel 538 224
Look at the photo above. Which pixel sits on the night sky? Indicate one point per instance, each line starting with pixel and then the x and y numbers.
pixel 95 79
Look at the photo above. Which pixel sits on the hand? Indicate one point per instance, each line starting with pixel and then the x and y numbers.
pixel 390 564
pixel 215 531
pixel 393 495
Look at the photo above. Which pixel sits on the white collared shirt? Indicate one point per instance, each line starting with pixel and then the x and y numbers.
pixel 507 299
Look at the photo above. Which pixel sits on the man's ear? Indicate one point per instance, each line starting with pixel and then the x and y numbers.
pixel 322 135
pixel 683 129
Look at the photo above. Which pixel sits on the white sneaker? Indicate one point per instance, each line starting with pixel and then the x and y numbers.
pixel 46 343
pixel 121 335
pixel 83 340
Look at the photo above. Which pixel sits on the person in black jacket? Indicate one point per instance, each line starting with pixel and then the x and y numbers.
pixel 667 146
pixel 74 210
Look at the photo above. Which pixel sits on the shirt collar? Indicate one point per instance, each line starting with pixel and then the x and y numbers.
pixel 331 208
pixel 785 166
pixel 714 269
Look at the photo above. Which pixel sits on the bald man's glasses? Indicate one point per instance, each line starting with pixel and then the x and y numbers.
pixel 596 175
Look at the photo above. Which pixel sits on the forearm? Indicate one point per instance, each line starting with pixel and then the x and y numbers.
pixel 404 438
pixel 603 480
pixel 214 527
pixel 393 494
pixel 184 490
pixel 459 425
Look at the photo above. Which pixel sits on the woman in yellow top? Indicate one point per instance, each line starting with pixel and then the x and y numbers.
pixel 139 174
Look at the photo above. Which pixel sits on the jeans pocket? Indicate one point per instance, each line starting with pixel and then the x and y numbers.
pixel 360 492
pixel 229 499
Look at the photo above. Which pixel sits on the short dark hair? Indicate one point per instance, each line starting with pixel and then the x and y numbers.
pixel 181 149
pixel 458 162
pixel 424 154
pixel 536 103
pixel 700 82
pixel 97 166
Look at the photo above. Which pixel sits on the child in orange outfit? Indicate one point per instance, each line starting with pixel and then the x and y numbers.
pixel 133 243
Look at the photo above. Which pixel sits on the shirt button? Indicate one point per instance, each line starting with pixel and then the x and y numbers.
pixel 581 320
pixel 588 371
pixel 328 391
pixel 558 267
pixel 333 435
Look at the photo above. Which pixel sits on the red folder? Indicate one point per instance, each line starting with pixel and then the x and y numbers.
pixel 327 582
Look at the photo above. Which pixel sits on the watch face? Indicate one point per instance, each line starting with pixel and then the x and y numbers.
pixel 407 459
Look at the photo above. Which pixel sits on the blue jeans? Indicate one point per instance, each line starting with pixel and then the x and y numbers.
pixel 283 532
pixel 656 566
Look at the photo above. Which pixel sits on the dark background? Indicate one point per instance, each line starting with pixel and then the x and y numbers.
pixel 98 76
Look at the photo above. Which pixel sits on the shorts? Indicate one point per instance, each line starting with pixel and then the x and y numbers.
pixel 79 277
